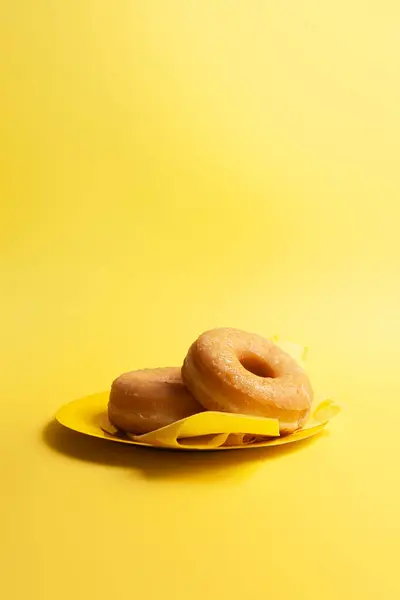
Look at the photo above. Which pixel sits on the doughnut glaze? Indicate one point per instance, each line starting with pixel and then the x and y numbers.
pixel 230 370
pixel 145 400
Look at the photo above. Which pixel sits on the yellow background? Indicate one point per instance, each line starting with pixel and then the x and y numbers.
pixel 167 167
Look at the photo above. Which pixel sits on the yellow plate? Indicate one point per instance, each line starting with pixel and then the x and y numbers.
pixel 205 431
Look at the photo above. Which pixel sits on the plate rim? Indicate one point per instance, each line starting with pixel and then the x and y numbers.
pixel 279 441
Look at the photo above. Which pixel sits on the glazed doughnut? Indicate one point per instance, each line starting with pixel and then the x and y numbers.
pixel 142 401
pixel 233 371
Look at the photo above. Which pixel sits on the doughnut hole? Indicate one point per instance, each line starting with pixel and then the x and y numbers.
pixel 256 365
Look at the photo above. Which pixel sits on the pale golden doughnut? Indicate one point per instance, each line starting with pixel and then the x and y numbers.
pixel 142 401
pixel 233 371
